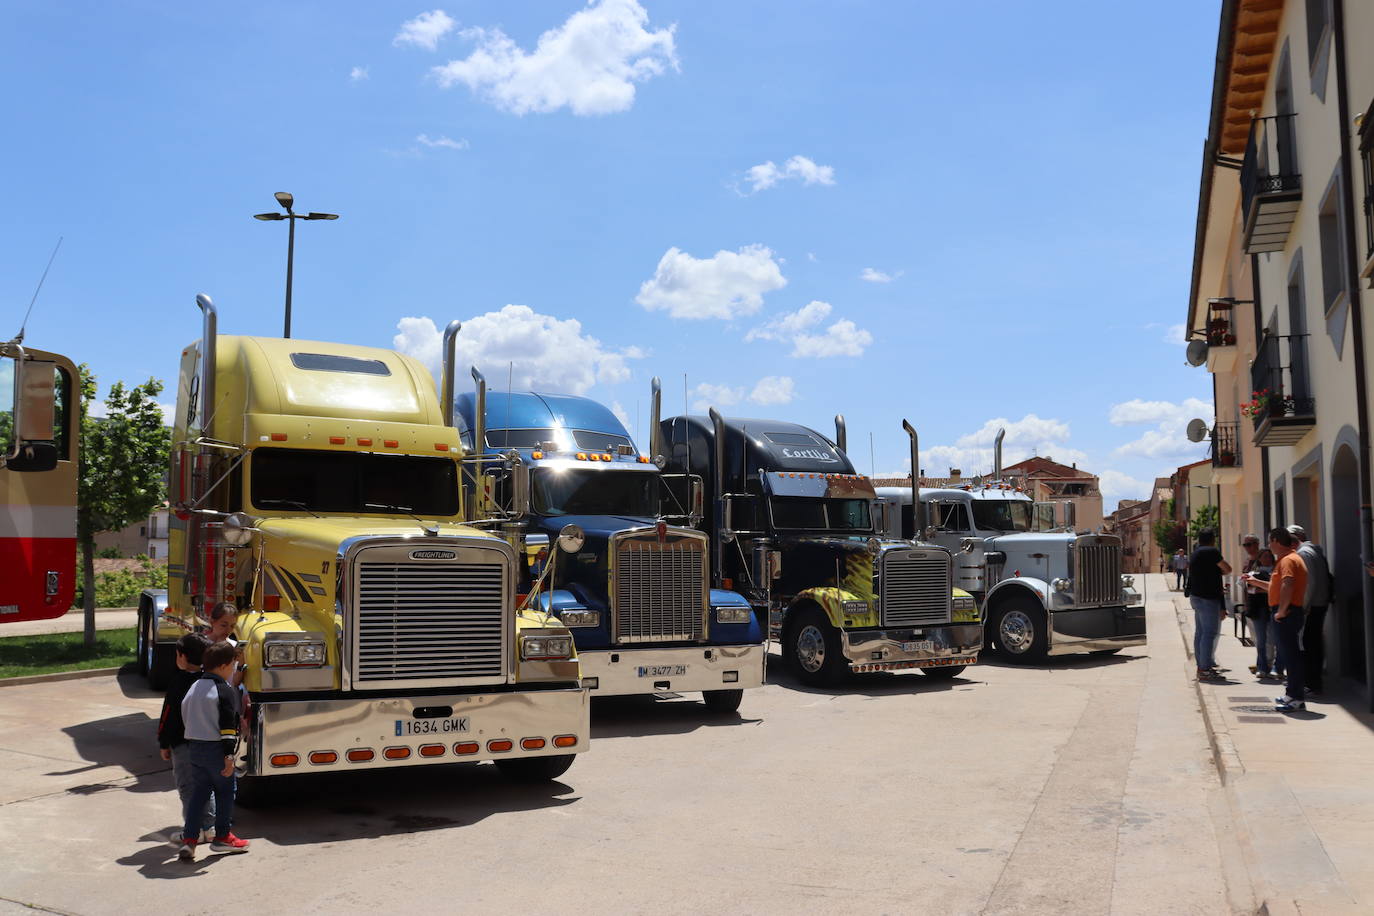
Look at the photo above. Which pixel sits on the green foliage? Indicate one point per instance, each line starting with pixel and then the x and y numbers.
pixel 21 656
pixel 121 587
pixel 109 553
pixel 1168 534
pixel 1203 517
pixel 123 457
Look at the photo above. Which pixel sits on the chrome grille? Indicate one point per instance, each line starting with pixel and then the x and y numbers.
pixel 916 588
pixel 426 621
pixel 660 590
pixel 1097 571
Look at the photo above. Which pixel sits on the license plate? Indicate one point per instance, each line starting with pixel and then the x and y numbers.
pixel 919 645
pixel 405 727
pixel 662 670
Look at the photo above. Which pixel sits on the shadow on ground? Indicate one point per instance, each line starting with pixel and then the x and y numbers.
pixel 661 714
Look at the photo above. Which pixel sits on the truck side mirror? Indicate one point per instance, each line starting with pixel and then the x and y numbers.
pixel 33 409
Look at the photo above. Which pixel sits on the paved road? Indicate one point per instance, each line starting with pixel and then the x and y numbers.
pixel 74 621
pixel 1082 787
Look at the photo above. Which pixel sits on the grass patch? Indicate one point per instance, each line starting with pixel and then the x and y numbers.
pixel 21 656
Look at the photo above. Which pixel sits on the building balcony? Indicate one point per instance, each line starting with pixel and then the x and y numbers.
pixel 1221 336
pixel 1270 184
pixel 1281 405
pixel 1226 463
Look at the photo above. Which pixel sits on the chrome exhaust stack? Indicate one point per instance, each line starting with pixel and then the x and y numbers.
pixel 841 439
pixel 479 421
pixel 208 359
pixel 718 480
pixel 918 521
pixel 655 413
pixel 450 350
pixel 997 454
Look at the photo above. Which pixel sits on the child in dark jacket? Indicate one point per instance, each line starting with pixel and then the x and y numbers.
pixel 171 731
pixel 211 715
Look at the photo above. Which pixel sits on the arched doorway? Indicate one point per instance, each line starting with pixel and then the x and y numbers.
pixel 1344 554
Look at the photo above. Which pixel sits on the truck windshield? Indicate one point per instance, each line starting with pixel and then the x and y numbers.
pixel 821 514
pixel 557 491
pixel 353 482
pixel 1001 515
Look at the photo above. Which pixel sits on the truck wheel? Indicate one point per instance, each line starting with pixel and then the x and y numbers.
pixel 535 769
pixel 722 700
pixel 157 661
pixel 141 642
pixel 811 647
pixel 947 673
pixel 1019 629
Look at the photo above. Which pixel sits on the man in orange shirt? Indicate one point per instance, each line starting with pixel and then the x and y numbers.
pixel 1286 589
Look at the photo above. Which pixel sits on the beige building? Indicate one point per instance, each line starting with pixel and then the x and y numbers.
pixel 147 536
pixel 1283 256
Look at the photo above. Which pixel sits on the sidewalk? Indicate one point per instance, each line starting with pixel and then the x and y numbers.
pixel 1298 784
pixel 74 621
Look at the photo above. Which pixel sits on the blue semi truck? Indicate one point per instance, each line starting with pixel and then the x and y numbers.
pixel 634 589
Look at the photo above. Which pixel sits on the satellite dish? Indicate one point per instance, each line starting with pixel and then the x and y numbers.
pixel 1197 429
pixel 1197 352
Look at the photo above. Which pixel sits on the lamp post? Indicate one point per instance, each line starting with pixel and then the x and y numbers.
pixel 287 201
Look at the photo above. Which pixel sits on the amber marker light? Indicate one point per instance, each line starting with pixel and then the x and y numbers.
pixel 362 441
pixel 565 741
pixel 441 446
pixel 278 437
pixel 396 753
pixel 581 456
pixel 322 757
pixel 463 748
pixel 361 755
pixel 390 443
pixel 337 440
pixel 536 455
pixel 285 760
pixel 431 750
pixel 532 744
pixel 500 745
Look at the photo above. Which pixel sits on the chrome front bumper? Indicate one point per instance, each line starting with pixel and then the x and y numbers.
pixel 622 672
pixel 381 725
pixel 889 650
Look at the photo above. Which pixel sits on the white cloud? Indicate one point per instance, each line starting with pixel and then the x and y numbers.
pixel 792 323
pixel 728 284
pixel 773 389
pixel 441 142
pixel 798 168
pixel 1117 486
pixel 589 64
pixel 1176 334
pixel 878 276
pixel 358 74
pixel 623 416
pixel 708 395
pixel 843 338
pixel 1168 439
pixel 1028 436
pixel 540 351
pixel 425 30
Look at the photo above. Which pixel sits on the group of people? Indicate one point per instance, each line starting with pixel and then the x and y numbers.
pixel 1287 589
pixel 198 732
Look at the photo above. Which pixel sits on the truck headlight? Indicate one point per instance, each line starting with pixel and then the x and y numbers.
pixel 734 614
pixel 1128 581
pixel 854 607
pixel 964 603
pixel 295 650
pixel 579 617
pixel 964 609
pixel 1061 585
pixel 545 647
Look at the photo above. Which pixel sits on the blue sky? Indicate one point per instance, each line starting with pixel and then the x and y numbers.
pixel 968 216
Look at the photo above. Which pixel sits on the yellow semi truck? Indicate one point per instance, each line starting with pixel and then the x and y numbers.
pixel 314 486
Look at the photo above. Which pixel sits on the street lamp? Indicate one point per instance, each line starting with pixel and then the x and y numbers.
pixel 287 201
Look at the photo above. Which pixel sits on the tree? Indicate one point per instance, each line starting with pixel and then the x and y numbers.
pixel 121 475
pixel 1203 517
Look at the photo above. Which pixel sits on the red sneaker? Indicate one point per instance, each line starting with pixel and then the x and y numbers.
pixel 228 843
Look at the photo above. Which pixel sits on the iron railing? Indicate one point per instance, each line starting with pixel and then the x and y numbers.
pixel 1220 331
pixel 1226 445
pixel 1278 377
pixel 1270 165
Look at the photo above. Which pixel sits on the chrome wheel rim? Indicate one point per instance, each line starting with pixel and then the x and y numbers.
pixel 148 647
pixel 1016 631
pixel 811 648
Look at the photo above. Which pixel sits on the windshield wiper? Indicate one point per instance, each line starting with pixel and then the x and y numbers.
pixel 287 503
pixel 406 510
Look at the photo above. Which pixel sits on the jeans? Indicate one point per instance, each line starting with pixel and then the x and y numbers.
pixel 1313 646
pixel 1178 579
pixel 207 765
pixel 181 774
pixel 1290 651
pixel 1266 640
pixel 1206 629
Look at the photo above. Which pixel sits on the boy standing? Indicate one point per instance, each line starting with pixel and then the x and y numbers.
pixel 171 730
pixel 211 715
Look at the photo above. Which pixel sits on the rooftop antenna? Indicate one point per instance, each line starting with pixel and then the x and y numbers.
pixel 19 338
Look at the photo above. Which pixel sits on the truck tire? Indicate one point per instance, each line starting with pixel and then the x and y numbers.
pixel 811 648
pixel 946 673
pixel 141 642
pixel 722 700
pixel 535 769
pixel 1018 627
pixel 157 662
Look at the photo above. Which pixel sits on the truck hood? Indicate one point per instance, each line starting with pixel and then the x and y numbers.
pixel 1030 540
pixel 328 532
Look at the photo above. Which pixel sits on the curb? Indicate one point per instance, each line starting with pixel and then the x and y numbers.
pixel 1224 756
pixel 59 676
